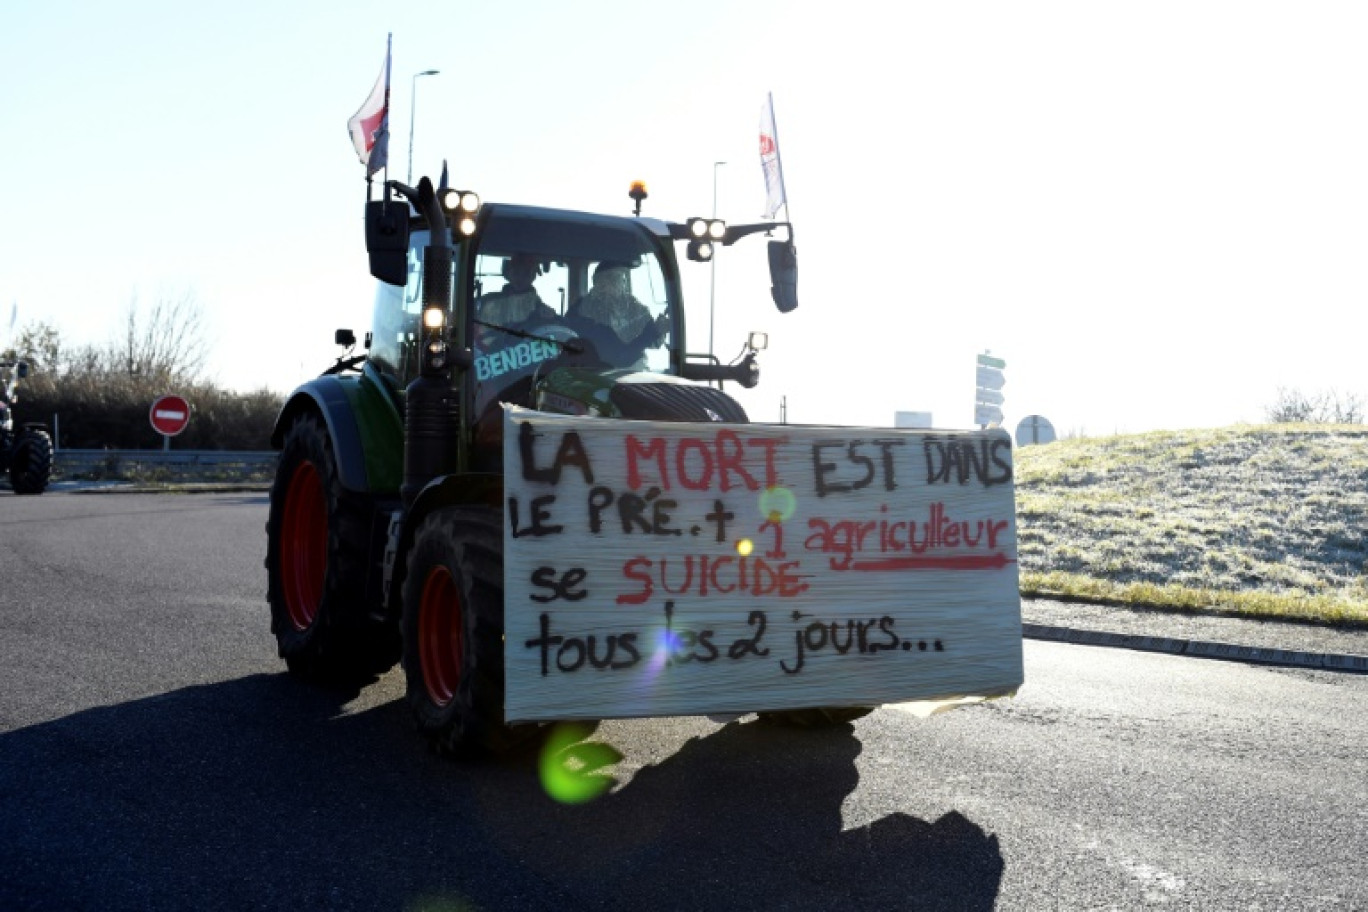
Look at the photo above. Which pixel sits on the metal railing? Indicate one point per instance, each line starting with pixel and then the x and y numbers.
pixel 181 464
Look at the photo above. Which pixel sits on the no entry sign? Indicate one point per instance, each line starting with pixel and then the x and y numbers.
pixel 169 415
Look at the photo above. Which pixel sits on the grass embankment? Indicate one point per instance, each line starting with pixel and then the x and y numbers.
pixel 1266 521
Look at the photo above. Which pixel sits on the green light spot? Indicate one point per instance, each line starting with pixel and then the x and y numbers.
pixel 777 504
pixel 575 770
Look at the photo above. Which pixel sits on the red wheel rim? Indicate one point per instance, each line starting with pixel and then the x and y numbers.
pixel 303 546
pixel 440 636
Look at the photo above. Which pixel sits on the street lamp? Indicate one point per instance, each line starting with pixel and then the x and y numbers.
pixel 712 292
pixel 413 109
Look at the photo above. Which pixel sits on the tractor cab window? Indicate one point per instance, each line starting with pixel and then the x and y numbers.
pixel 550 294
pixel 395 330
pixel 515 292
pixel 518 321
pixel 624 314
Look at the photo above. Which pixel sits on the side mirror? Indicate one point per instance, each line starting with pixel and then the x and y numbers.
pixel 344 337
pixel 387 240
pixel 783 262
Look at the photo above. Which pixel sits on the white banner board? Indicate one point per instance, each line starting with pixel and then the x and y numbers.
pixel 657 569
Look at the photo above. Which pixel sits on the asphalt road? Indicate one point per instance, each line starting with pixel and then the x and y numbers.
pixel 154 755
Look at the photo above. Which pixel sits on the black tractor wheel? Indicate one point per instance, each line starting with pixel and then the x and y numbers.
pixel 816 717
pixel 31 462
pixel 317 539
pixel 453 632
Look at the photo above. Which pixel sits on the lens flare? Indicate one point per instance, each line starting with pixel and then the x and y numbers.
pixel 777 504
pixel 667 643
pixel 575 770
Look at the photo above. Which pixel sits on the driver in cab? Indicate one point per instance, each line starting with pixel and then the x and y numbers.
pixel 619 326
pixel 517 305
pixel 514 329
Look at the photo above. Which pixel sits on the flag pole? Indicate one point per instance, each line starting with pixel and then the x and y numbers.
pixel 389 61
pixel 389 58
pixel 779 159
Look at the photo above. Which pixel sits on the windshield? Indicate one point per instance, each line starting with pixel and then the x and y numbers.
pixel 584 291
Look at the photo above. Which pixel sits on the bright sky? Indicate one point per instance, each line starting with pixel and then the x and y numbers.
pixel 1154 212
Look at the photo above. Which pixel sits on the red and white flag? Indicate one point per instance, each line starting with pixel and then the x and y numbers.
pixel 369 127
pixel 769 160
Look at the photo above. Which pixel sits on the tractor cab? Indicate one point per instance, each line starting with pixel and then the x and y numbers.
pixel 557 310
pixel 553 290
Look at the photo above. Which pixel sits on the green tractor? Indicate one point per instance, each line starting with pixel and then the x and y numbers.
pixel 385 537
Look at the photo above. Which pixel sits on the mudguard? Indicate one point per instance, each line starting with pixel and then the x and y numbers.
pixel 364 424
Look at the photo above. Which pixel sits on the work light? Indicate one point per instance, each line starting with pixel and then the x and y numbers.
pixel 715 229
pixel 462 205
pixel 460 201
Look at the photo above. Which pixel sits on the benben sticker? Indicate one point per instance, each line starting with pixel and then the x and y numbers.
pixel 515 357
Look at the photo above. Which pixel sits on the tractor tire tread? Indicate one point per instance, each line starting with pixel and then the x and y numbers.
pixel 31 462
pixel 346 644
pixel 470 541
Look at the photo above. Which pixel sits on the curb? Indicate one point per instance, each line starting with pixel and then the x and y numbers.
pixel 133 487
pixel 1286 658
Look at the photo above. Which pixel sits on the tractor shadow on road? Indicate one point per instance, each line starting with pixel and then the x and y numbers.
pixel 265 793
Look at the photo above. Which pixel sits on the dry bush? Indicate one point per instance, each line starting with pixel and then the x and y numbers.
pixel 1293 406
pixel 97 398
pixel 98 412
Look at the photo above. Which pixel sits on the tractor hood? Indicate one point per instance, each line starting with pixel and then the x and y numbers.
pixel 636 395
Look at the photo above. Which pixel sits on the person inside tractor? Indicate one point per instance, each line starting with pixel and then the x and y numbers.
pixel 620 327
pixel 515 333
pixel 517 305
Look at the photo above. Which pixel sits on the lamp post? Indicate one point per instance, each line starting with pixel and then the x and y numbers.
pixel 712 292
pixel 413 110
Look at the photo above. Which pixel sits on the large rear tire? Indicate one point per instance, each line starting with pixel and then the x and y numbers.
pixel 31 462
pixel 317 542
pixel 816 717
pixel 453 632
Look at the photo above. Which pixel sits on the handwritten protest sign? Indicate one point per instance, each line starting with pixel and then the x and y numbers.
pixel 657 568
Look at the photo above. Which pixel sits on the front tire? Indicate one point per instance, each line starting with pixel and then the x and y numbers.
pixel 31 462
pixel 317 539
pixel 453 631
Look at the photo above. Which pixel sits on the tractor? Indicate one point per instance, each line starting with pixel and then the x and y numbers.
pixel 384 533
pixel 26 451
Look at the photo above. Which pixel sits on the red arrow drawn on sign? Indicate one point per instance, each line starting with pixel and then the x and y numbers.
pixel 937 562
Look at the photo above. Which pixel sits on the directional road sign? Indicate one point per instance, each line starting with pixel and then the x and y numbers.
pixel 989 415
pixel 987 393
pixel 989 378
pixel 169 415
